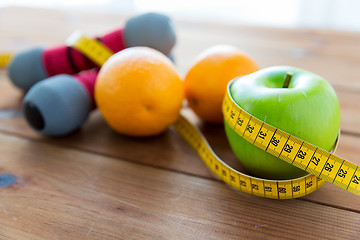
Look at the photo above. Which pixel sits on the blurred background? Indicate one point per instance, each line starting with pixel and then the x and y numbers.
pixel 340 15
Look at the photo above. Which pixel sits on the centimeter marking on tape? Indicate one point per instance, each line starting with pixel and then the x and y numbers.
pixel 5 59
pixel 94 50
pixel 322 165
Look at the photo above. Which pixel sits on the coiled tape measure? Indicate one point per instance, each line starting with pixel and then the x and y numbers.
pixel 321 165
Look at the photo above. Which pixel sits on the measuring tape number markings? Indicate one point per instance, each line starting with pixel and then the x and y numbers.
pixel 278 189
pixel 320 164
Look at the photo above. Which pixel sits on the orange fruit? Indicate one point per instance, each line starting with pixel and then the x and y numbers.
pixel 139 92
pixel 206 81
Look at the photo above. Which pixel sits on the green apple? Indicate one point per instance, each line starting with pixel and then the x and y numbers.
pixel 307 108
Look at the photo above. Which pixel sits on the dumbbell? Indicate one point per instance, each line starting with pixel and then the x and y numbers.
pixel 151 29
pixel 60 104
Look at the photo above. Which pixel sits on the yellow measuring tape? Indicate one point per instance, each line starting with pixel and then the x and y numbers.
pixel 278 189
pixel 92 49
pixel 5 59
pixel 322 165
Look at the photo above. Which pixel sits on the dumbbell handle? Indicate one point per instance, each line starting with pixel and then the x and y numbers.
pixel 65 59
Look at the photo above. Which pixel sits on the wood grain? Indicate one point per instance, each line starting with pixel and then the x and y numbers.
pixel 96 184
pixel 63 192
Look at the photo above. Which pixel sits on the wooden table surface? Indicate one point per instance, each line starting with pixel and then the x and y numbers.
pixel 96 184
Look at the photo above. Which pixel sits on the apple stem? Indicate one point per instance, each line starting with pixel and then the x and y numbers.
pixel 287 79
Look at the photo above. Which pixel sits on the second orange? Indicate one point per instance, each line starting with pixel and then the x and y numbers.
pixel 208 76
